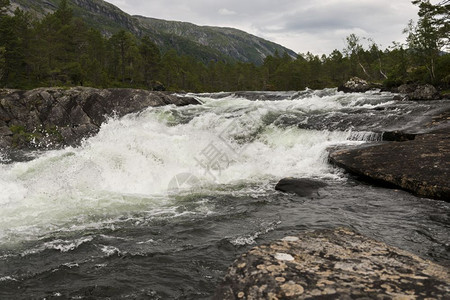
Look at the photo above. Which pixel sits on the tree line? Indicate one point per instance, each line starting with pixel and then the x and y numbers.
pixel 61 50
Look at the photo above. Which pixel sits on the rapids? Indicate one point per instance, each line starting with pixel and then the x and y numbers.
pixel 160 202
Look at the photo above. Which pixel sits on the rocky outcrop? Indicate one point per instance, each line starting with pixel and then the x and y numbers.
pixel 421 166
pixel 55 117
pixel 357 85
pixel 419 92
pixel 109 12
pixel 303 187
pixel 332 264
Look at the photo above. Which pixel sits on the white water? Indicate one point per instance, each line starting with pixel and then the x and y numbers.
pixel 128 166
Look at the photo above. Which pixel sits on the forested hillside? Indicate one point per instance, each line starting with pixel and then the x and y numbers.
pixel 60 49
pixel 204 43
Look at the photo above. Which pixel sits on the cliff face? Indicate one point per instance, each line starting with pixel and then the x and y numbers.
pixel 203 42
pixel 108 13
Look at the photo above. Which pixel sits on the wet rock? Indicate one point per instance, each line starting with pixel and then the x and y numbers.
pixel 301 186
pixel 399 98
pixel 55 117
pixel 397 135
pixel 419 92
pixel 332 264
pixel 262 96
pixel 421 166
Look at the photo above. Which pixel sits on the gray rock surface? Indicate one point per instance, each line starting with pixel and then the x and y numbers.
pixel 332 264
pixel 418 161
pixel 421 166
pixel 419 92
pixel 55 117
pixel 303 187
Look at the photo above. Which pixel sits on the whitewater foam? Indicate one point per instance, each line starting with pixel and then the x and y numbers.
pixel 7 278
pixel 127 167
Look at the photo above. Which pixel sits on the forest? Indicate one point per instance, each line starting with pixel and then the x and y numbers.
pixel 61 50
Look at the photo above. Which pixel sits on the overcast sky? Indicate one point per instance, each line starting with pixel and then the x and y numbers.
pixel 318 26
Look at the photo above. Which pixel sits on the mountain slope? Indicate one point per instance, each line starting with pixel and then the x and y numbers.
pixel 203 42
pixel 229 41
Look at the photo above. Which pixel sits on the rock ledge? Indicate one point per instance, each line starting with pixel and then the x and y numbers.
pixel 332 264
pixel 421 166
pixel 56 117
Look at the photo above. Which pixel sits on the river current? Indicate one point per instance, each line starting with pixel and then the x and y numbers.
pixel 159 203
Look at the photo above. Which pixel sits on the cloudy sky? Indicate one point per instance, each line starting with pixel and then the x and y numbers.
pixel 318 26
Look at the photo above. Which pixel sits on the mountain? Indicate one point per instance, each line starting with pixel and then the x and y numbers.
pixel 203 42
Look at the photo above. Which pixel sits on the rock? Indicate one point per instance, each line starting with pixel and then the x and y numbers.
pixel 424 92
pixel 157 86
pixel 407 88
pixel 5 131
pixel 399 98
pixel 301 186
pixel 52 117
pixel 355 85
pixel 421 166
pixel 5 142
pixel 398 136
pixel 333 264
pixel 419 92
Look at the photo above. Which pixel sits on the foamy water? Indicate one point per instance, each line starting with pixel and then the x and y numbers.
pixel 159 203
pixel 130 164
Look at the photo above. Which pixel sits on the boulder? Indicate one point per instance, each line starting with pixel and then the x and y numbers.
pixel 55 117
pixel 407 88
pixel 419 92
pixel 303 187
pixel 355 85
pixel 424 92
pixel 332 264
pixel 421 165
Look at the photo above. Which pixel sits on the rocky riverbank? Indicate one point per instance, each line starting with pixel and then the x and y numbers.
pixel 416 162
pixel 332 264
pixel 55 117
pixel 410 91
pixel 421 166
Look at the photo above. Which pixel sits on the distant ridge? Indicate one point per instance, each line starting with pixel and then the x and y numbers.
pixel 203 42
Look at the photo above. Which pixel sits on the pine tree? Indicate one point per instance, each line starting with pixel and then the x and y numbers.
pixel 151 60
pixel 14 40
pixel 430 35
pixel 123 56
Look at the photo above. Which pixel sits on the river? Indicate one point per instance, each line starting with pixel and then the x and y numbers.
pixel 159 203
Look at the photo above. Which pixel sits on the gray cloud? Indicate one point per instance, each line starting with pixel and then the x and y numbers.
pixel 302 25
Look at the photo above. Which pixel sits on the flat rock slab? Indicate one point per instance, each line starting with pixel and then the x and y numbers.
pixel 333 264
pixel 304 187
pixel 421 166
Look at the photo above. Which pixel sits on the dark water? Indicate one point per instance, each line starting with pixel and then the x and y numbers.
pixel 97 222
